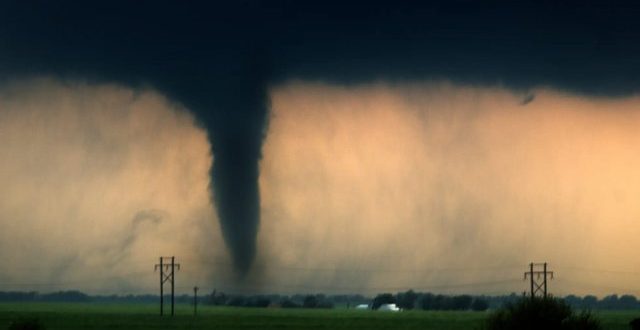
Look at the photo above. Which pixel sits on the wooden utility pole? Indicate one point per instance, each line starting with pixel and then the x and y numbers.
pixel 195 300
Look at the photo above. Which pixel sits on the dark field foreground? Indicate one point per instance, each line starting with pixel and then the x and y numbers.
pixel 144 316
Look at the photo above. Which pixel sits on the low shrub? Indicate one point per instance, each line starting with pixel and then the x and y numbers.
pixel 540 313
pixel 26 324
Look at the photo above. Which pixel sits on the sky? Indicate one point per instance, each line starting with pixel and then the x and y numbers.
pixel 318 146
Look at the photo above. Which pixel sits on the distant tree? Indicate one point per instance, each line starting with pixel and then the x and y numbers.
pixel 442 302
pixel 326 303
pixel 18 296
pixel 609 302
pixel 479 305
pixel 217 299
pixel 184 299
pixel 461 303
pixel 383 298
pixel 574 301
pixel 274 297
pixel 288 303
pixel 407 300
pixel 257 301
pixel 589 302
pixel 358 299
pixel 237 301
pixel 66 296
pixel 426 301
pixel 627 302
pixel 310 301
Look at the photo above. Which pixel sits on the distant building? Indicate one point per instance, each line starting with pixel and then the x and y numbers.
pixel 389 308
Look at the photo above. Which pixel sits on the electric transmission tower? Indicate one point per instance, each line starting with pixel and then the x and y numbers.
pixel 167 274
pixel 538 279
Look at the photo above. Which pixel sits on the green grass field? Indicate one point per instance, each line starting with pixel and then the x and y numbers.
pixel 145 316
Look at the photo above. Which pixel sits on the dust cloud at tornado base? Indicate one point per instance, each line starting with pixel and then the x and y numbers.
pixel 365 188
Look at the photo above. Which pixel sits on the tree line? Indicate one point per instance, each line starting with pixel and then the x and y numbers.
pixel 608 302
pixel 428 301
pixel 406 300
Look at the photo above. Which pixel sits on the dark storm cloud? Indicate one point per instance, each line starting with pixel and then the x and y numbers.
pixel 219 58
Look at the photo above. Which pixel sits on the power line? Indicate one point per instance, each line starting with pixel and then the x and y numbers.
pixel 378 288
pixel 374 270
pixel 596 270
pixel 76 282
pixel 577 283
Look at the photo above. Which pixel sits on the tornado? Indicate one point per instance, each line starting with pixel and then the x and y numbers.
pixel 235 116
pixel 235 191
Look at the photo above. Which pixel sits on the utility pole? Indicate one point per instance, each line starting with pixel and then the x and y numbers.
pixel 161 266
pixel 195 300
pixel 538 279
pixel 167 273
pixel 173 263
